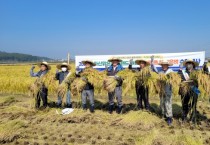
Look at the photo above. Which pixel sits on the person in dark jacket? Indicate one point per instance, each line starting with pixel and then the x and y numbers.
pixel 206 67
pixel 88 90
pixel 112 72
pixel 61 76
pixel 43 92
pixel 192 94
pixel 141 92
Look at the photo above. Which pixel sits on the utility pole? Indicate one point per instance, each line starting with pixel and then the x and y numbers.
pixel 68 58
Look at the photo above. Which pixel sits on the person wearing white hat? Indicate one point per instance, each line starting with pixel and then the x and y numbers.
pixel 141 91
pixel 112 71
pixel 61 76
pixel 166 96
pixel 43 93
pixel 88 90
pixel 192 94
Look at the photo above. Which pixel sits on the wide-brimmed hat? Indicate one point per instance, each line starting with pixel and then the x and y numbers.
pixel 142 60
pixel 191 61
pixel 44 63
pixel 59 66
pixel 88 61
pixel 165 62
pixel 114 59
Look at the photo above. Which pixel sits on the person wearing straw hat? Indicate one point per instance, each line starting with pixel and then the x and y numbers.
pixel 61 76
pixel 43 92
pixel 141 92
pixel 88 90
pixel 192 94
pixel 112 71
pixel 166 96
pixel 206 67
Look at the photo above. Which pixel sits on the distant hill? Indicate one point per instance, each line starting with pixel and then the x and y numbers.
pixel 6 57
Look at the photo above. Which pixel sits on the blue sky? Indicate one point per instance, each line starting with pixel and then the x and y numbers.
pixel 85 27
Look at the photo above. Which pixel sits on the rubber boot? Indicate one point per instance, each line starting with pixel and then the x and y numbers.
pixel 92 109
pixel 111 107
pixel 69 106
pixel 169 121
pixel 84 107
pixel 119 110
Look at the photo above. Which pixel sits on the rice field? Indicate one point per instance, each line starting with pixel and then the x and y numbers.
pixel 21 124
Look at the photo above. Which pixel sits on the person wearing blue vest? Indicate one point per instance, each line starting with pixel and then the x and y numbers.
pixel 61 76
pixel 112 72
pixel 43 92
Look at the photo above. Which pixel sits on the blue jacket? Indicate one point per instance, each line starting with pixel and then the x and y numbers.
pixel 113 73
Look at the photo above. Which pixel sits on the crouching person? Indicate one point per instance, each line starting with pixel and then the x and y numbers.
pixel 61 76
pixel 112 72
pixel 43 92
pixel 88 90
pixel 166 96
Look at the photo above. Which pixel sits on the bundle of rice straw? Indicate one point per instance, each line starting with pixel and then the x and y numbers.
pixel 65 85
pixel 161 83
pixel 174 79
pixel 94 77
pixel 145 72
pixel 77 86
pixel 151 82
pixel 45 81
pixel 202 81
pixel 185 87
pixel 129 80
pixel 110 84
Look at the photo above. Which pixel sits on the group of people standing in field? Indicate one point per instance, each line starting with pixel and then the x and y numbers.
pixel 112 70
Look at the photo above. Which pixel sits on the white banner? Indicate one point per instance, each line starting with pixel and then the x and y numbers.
pixel 175 58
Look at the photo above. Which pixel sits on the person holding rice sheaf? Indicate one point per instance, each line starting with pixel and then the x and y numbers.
pixel 166 95
pixel 206 67
pixel 141 91
pixel 61 76
pixel 189 99
pixel 112 72
pixel 88 90
pixel 43 92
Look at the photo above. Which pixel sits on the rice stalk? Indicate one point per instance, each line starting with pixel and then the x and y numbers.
pixel 174 80
pixel 110 84
pixel 202 81
pixel 151 82
pixel 65 85
pixel 129 80
pixel 77 86
pixel 94 77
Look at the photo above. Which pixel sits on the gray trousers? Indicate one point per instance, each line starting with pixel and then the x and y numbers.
pixel 166 104
pixel 90 95
pixel 118 93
